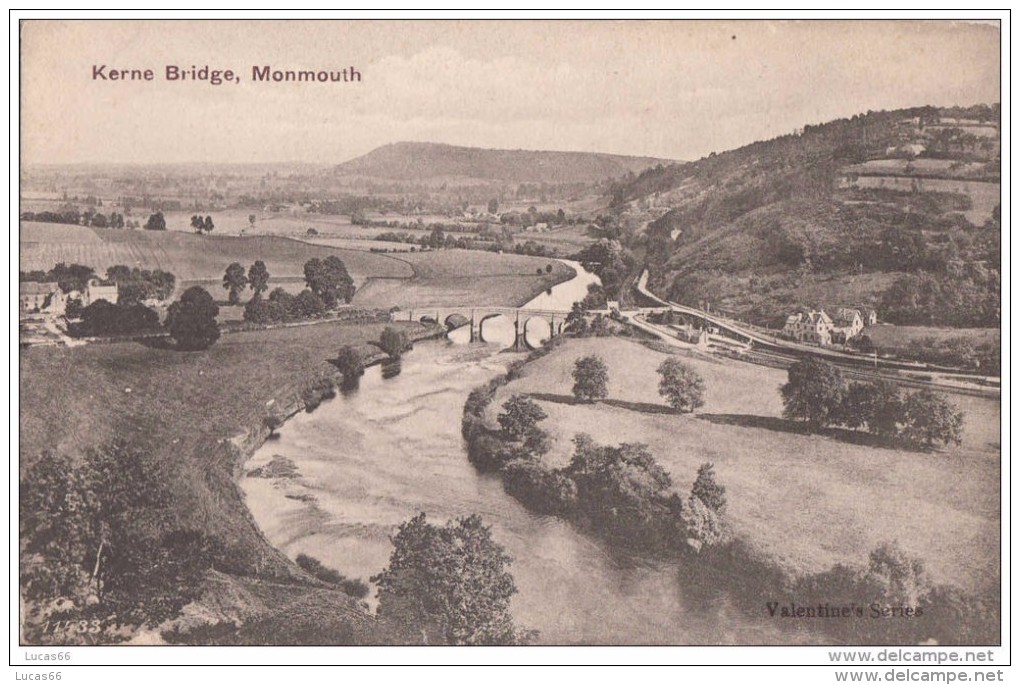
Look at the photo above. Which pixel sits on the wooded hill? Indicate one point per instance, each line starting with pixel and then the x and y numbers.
pixel 424 162
pixel 768 228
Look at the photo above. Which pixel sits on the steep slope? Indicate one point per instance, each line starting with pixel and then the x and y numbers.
pixel 895 210
pixel 423 162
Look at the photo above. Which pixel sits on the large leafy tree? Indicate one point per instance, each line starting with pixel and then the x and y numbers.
pixel 591 378
pixel 930 418
pixel 520 417
pixel 877 406
pixel 235 281
pixel 681 385
pixel 328 278
pixel 192 320
pixel 449 584
pixel 813 393
pixel 258 277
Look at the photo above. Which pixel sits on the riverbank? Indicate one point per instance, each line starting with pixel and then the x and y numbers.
pixel 198 415
pixel 800 505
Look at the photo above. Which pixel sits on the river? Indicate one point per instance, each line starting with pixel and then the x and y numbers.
pixel 375 457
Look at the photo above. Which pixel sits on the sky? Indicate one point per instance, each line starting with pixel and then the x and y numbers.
pixel 669 89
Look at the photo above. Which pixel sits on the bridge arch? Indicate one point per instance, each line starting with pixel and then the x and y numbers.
pixel 497 325
pixel 456 320
pixel 537 329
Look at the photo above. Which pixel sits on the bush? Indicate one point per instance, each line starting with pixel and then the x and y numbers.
pixel 708 490
pixel 700 523
pixel 355 587
pixel 394 342
pixel 540 489
pixel 350 363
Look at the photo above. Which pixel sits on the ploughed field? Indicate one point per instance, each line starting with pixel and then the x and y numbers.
pixel 188 256
pixel 808 501
pixel 444 277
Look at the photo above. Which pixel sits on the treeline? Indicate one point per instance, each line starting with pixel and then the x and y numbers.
pixel 328 284
pixel 133 284
pixel 72 216
pixel 438 240
pixel 817 394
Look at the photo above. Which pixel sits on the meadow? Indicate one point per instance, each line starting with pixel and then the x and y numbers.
pixel 806 501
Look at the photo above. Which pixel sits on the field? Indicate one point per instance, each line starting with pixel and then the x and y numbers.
pixel 809 501
pixel 188 256
pixel 407 279
pixel 454 277
pixel 892 338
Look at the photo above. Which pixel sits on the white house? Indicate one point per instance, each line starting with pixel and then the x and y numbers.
pixel 813 326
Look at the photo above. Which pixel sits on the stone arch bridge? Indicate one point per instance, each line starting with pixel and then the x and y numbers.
pixel 476 318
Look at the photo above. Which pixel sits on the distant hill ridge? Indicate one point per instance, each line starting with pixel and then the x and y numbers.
pixel 411 161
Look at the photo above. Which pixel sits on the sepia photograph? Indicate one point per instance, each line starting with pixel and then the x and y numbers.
pixel 549 332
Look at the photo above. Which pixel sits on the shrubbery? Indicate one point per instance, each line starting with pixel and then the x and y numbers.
pixel 355 587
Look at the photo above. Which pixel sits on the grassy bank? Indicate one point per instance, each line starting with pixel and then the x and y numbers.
pixel 198 415
pixel 799 504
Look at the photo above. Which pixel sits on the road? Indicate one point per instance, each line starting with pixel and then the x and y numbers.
pixel 784 352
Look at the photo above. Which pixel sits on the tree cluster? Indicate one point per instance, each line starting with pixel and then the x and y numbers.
pixel 201 225
pixel 817 394
pixel 89 551
pixel 103 318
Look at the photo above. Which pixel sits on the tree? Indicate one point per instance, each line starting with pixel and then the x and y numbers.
pixel 192 320
pixel 258 277
pixel 308 305
pixel 577 319
pixel 156 222
pixel 681 385
pixel 877 406
pixel 251 221
pixel 493 206
pixel 591 378
pixel 520 417
pixel 235 281
pixel 929 418
pixel 393 341
pixel 813 393
pixel 208 225
pixel 197 223
pixel 350 363
pixel 328 278
pixel 450 584
pixel 708 490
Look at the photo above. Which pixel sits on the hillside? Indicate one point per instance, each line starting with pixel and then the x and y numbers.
pixel 423 162
pixel 895 210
